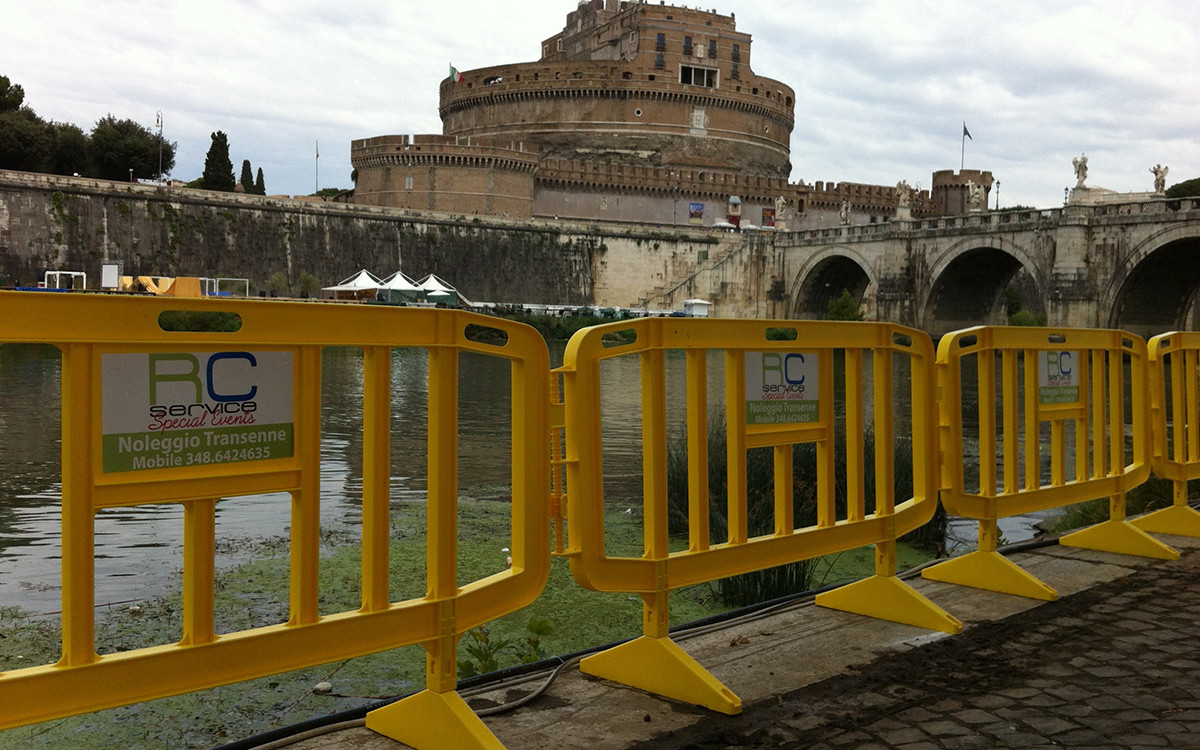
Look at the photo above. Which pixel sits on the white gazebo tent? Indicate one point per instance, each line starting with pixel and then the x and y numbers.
pixel 399 288
pixel 696 308
pixel 361 285
pixel 439 291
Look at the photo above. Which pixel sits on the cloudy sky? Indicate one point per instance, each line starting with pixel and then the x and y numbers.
pixel 883 87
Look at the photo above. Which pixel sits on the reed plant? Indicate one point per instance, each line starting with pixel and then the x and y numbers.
pixel 796 577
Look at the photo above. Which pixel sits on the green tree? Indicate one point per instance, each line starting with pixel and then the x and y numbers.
pixel 278 282
pixel 69 152
pixel 1027 318
pixel 1185 189
pixel 247 179
pixel 218 169
pixel 844 307
pixel 118 146
pixel 329 192
pixel 25 142
pixel 309 285
pixel 260 187
pixel 12 96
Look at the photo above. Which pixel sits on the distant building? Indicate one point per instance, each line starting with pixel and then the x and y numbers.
pixel 635 112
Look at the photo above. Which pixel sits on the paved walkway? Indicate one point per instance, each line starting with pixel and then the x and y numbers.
pixel 1114 663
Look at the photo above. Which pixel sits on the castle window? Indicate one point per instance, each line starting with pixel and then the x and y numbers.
pixel 545 50
pixel 627 75
pixel 696 76
pixel 712 48
pixel 560 44
pixel 687 45
pixel 408 182
pixel 735 73
pixel 661 43
pixel 659 62
pixel 633 38
pixel 737 53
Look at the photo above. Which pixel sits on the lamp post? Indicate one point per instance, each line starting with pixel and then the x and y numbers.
pixel 997 195
pixel 160 144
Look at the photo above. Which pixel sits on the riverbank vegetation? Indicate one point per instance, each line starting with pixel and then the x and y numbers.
pixel 566 618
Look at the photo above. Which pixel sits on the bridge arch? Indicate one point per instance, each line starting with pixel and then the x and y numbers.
pixel 824 275
pixel 1156 284
pixel 967 282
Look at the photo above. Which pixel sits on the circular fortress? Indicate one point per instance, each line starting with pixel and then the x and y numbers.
pixel 634 112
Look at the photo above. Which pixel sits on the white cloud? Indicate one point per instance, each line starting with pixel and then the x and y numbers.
pixel 882 86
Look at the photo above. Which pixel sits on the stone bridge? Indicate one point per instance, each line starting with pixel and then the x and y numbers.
pixel 1132 265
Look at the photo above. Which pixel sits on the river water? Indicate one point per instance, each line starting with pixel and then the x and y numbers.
pixel 139 549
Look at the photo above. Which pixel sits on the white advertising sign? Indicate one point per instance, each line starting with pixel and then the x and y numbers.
pixel 172 409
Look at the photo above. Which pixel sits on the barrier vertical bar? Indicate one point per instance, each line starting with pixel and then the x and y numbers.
pixel 985 365
pixel 856 503
pixel 827 450
pixel 441 529
pixel 1082 422
pixel 1099 420
pixel 655 607
pixel 1033 455
pixel 1008 373
pixel 199 561
pixel 79 403
pixel 1190 375
pixel 885 460
pixel 306 502
pixel 735 445
pixel 377 381
pixel 697 437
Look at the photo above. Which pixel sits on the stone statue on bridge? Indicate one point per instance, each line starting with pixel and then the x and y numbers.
pixel 844 212
pixel 904 194
pixel 974 197
pixel 1160 178
pixel 1080 165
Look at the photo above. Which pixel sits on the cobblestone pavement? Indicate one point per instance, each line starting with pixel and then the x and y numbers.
pixel 1115 666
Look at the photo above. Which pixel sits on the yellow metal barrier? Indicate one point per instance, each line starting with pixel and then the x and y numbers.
pixel 151 416
pixel 1048 380
pixel 1175 417
pixel 777 394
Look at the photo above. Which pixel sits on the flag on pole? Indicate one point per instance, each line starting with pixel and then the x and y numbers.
pixel 455 76
pixel 966 133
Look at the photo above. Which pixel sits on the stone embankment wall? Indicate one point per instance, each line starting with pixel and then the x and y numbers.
pixel 72 224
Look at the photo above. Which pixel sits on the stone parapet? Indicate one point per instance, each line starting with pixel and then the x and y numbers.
pixel 392 150
pixel 708 183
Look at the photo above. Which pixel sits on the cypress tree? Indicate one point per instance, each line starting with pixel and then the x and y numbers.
pixel 259 187
pixel 218 169
pixel 247 177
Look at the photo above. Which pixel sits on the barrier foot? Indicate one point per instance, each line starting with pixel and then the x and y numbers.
pixel 659 666
pixel 1179 520
pixel 432 721
pixel 1122 538
pixel 889 598
pixel 990 571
